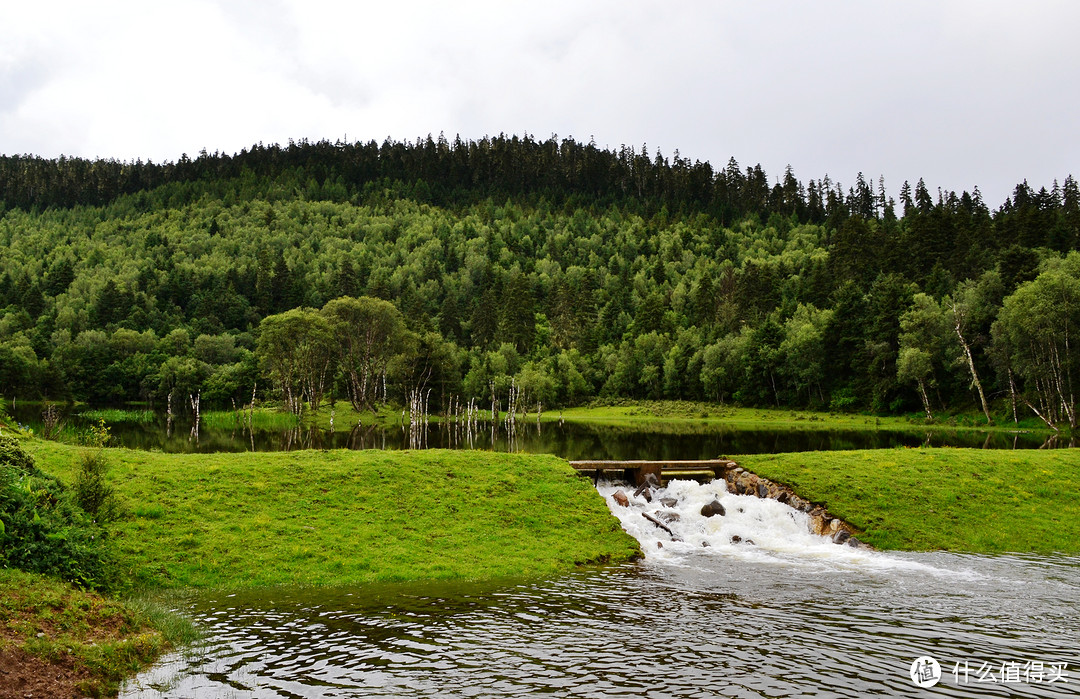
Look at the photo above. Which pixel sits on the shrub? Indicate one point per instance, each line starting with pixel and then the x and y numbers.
pixel 13 456
pixel 92 492
pixel 44 531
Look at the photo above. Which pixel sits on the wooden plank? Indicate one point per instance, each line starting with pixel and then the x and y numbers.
pixel 649 464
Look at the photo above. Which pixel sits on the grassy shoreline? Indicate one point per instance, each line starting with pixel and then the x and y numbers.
pixel 972 500
pixel 57 640
pixel 692 413
pixel 343 517
pixel 251 520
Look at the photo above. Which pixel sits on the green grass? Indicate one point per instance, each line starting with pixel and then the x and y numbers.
pixel 110 415
pixel 261 419
pixel 984 501
pixel 659 412
pixel 341 517
pixel 345 418
pixel 106 640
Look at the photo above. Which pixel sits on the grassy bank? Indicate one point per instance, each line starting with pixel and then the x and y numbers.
pixel 57 641
pixel 637 412
pixel 986 501
pixel 338 517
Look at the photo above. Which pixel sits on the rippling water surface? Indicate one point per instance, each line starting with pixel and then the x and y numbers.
pixel 790 615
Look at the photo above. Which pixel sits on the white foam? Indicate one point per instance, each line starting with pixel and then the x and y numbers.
pixel 755 529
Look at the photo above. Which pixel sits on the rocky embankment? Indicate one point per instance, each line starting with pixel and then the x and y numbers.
pixel 742 482
pixel 820 522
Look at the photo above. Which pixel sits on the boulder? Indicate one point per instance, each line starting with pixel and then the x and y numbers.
pixel 840 536
pixel 669 502
pixel 762 490
pixel 713 508
pixel 620 498
pixel 736 539
pixel 667 517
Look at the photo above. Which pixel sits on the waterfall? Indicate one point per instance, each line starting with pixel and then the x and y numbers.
pixel 752 529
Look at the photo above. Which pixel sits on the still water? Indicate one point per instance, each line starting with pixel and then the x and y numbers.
pixel 707 616
pixel 570 440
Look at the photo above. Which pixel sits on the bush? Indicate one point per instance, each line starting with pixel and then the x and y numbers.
pixel 13 456
pixel 843 400
pixel 92 493
pixel 42 529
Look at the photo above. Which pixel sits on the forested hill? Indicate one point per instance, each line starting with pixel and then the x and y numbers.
pixel 576 271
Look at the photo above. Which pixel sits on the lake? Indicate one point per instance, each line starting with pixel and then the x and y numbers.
pixel 583 440
pixel 789 615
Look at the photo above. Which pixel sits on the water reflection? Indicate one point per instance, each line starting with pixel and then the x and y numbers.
pixel 571 440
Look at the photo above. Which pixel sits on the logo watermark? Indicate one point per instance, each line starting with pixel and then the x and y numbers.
pixel 1010 672
pixel 926 672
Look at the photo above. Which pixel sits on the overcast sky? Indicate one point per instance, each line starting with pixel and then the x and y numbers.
pixel 962 93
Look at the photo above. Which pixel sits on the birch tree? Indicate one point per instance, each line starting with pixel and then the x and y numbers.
pixel 295 350
pixel 1036 329
pixel 972 308
pixel 923 332
pixel 369 333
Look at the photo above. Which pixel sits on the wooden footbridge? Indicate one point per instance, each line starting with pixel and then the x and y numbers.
pixel 638 471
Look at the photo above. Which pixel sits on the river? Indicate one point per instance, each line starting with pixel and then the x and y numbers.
pixel 789 614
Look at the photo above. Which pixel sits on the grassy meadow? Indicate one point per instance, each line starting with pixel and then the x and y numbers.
pixel 339 517
pixel 976 500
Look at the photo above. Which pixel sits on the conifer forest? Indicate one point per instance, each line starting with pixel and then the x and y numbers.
pixel 551 269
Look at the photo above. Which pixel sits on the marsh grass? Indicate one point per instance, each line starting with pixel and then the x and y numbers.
pixel 983 501
pixel 113 415
pixel 260 419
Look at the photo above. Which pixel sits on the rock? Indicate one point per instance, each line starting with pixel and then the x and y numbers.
pixel 762 490
pixel 705 544
pixel 649 481
pixel 669 502
pixel 751 542
pixel 736 539
pixel 620 498
pixel 645 493
pixel 841 536
pixel 668 517
pixel 782 497
pixel 856 543
pixel 713 508
pixel 659 544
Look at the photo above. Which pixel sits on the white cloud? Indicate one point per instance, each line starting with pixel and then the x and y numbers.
pixel 958 92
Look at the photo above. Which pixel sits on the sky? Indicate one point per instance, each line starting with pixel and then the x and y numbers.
pixel 961 93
